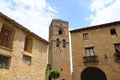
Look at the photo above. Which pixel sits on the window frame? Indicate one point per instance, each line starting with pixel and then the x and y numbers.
pixel 26 57
pixel 28 45
pixel 89 51
pixel 10 37
pixel 8 62
pixel 85 36
pixel 113 32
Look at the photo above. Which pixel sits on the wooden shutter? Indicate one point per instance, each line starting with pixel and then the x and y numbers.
pixel 5 38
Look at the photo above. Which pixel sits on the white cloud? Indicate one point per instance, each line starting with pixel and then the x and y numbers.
pixel 105 11
pixel 35 15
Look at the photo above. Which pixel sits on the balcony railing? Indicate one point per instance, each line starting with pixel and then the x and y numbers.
pixel 117 56
pixel 90 59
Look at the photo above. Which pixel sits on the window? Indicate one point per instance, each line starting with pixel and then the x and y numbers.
pixel 113 32
pixel 60 32
pixel 27 59
pixel 64 43
pixel 117 53
pixel 57 43
pixel 85 36
pixel 89 51
pixel 28 44
pixel 117 47
pixel 6 38
pixel 90 55
pixel 4 62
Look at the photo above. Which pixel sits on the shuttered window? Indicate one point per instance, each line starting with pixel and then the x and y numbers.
pixel 6 38
pixel 117 47
pixel 28 44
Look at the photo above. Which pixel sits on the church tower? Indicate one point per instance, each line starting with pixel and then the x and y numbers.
pixel 59 55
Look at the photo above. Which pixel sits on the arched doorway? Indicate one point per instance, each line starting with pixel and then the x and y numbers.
pixel 92 73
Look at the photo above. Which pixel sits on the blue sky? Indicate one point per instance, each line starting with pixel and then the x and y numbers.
pixel 36 15
pixel 73 11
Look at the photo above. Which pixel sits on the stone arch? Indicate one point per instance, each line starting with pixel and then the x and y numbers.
pixel 93 73
pixel 57 42
pixel 64 43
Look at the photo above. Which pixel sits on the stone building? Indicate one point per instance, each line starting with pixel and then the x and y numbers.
pixel 59 55
pixel 96 52
pixel 23 54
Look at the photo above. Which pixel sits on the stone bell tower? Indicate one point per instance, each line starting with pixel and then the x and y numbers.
pixel 59 54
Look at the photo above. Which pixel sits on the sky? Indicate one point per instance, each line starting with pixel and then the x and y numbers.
pixel 36 15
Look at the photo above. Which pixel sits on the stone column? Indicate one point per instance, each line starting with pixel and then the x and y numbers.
pixel 1 26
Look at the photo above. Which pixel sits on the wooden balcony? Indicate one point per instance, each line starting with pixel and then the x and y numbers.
pixel 90 59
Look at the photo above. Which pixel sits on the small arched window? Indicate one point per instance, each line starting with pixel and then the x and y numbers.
pixel 64 43
pixel 60 32
pixel 57 43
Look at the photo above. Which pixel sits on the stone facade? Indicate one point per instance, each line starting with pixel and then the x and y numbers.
pixel 59 55
pixel 101 38
pixel 19 68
